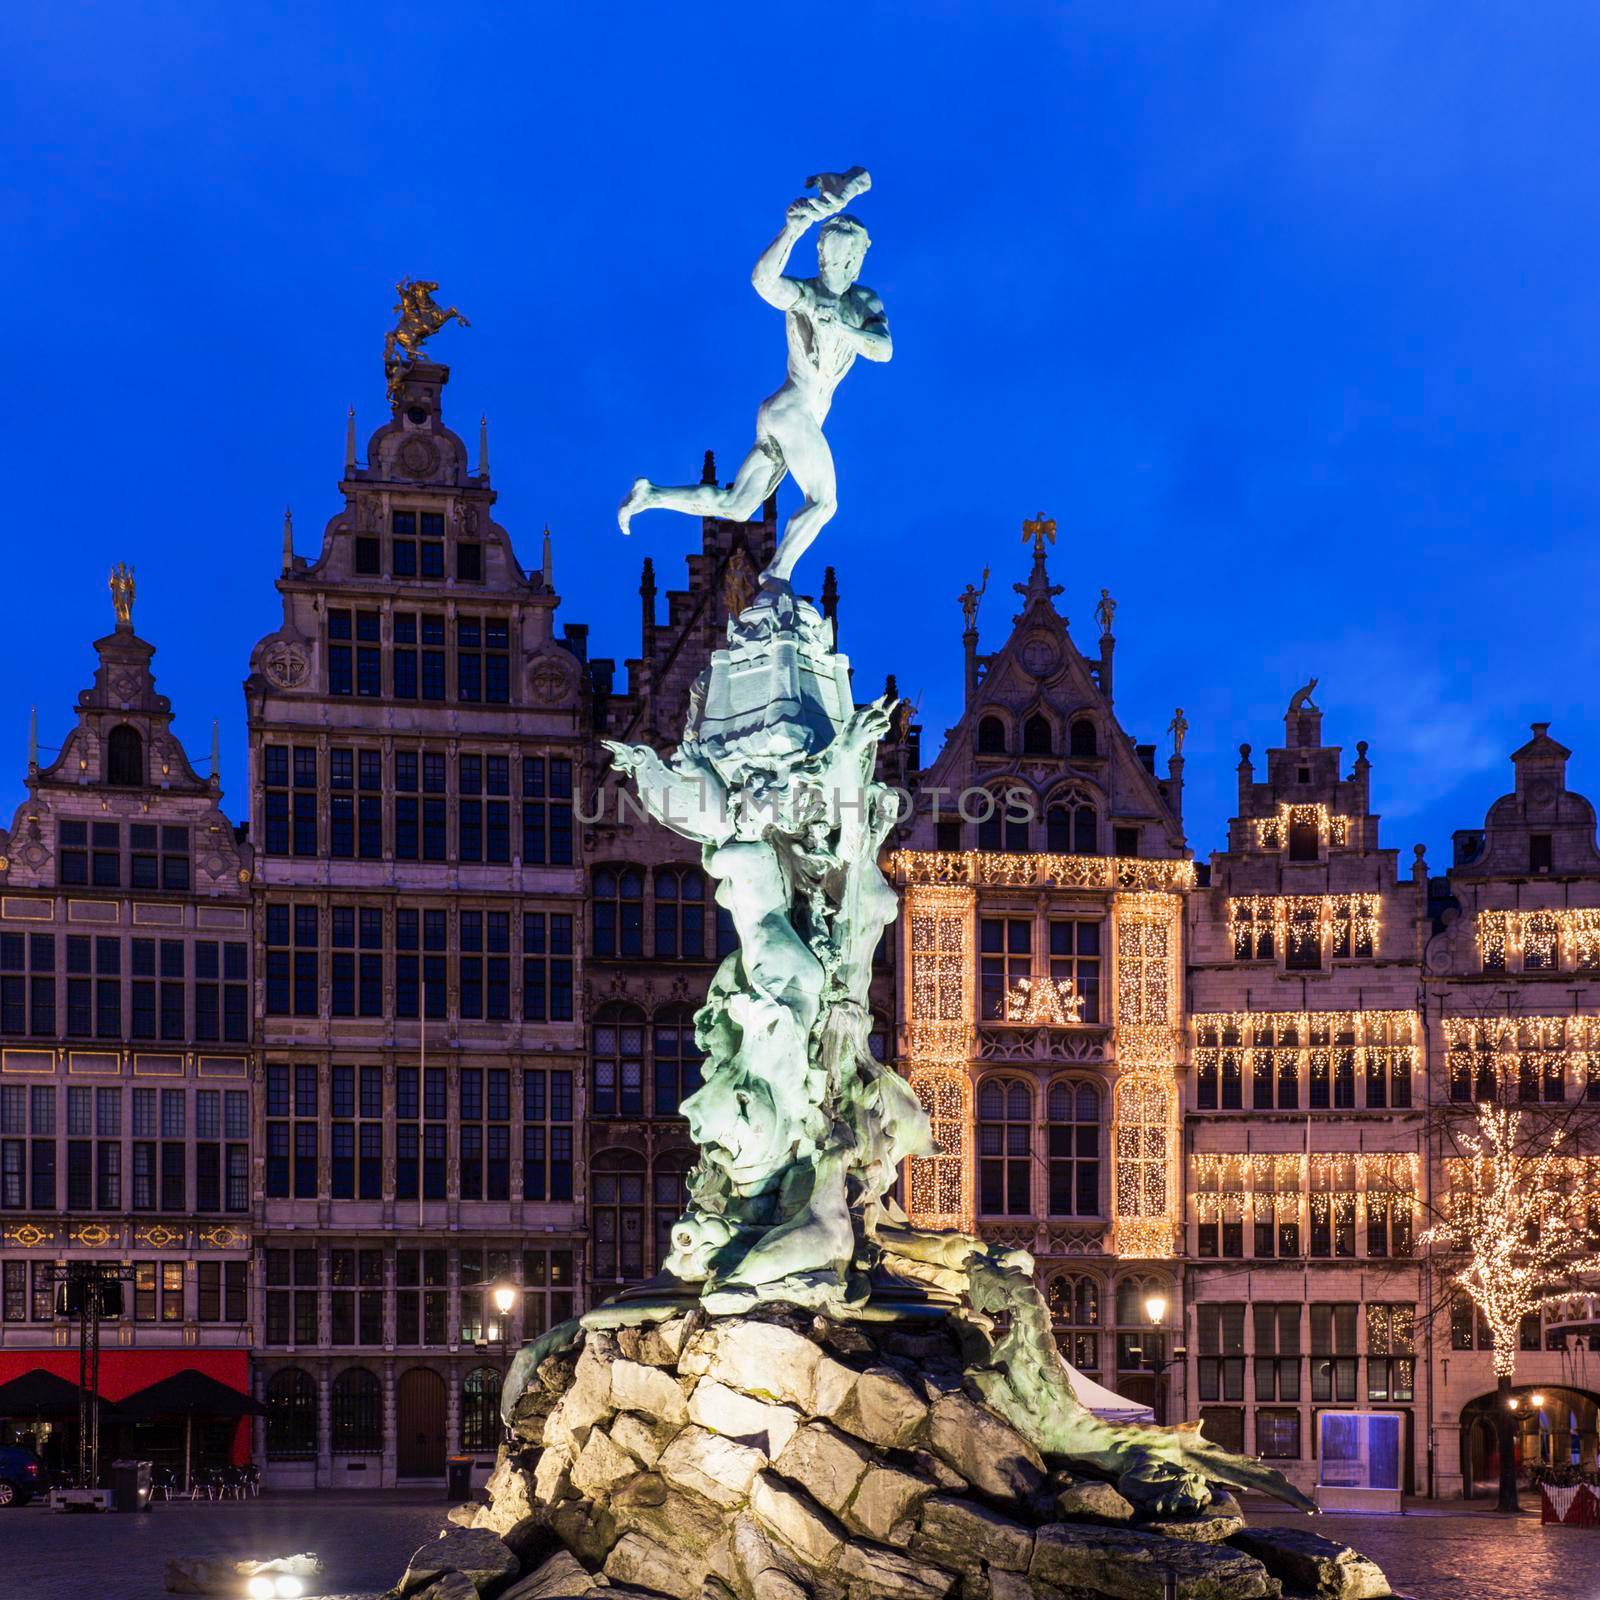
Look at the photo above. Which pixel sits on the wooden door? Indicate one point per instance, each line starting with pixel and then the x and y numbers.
pixel 419 1424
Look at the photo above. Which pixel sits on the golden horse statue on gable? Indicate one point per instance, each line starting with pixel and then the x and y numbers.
pixel 420 319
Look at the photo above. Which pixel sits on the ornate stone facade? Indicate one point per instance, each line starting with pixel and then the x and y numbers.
pixel 126 1043
pixel 418 739
pixel 1245 1104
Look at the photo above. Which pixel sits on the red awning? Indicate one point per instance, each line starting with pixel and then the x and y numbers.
pixel 123 1372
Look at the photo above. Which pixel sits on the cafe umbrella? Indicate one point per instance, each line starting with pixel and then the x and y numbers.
pixel 38 1394
pixel 189 1394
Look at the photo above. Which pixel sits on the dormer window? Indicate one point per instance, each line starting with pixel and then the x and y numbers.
pixel 1305 842
pixel 1540 856
pixel 125 756
pixel 469 563
pixel 417 544
pixel 1037 739
pixel 991 737
pixel 1085 742
pixel 1303 775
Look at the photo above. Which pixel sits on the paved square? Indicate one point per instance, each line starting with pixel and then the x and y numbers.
pixel 1429 1554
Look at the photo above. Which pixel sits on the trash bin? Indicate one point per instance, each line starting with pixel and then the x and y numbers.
pixel 130 1485
pixel 458 1478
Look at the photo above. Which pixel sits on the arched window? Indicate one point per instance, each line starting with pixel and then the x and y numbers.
pixel 1083 741
pixel 1038 738
pixel 677 1059
pixel 616 1215
pixel 125 756
pixel 618 911
pixel 1074 1136
pixel 1006 825
pixel 291 1415
pixel 1005 1133
pixel 357 1412
pixel 991 736
pixel 480 1409
pixel 619 1062
pixel 1138 1340
pixel 1074 1303
pixel 680 914
pixel 1072 827
pixel 669 1197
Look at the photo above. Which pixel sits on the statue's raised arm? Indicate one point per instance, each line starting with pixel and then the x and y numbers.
pixel 829 320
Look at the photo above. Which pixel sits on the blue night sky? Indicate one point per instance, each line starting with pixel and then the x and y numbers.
pixel 1286 312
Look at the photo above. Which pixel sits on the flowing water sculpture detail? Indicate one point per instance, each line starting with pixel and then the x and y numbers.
pixel 801 1130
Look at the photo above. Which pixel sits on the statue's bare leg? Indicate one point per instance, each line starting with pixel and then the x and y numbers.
pixel 810 463
pixel 756 478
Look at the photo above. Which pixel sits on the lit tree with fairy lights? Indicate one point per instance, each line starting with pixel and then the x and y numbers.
pixel 1512 1242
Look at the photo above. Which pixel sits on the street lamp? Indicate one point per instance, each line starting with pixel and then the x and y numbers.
pixel 1152 1356
pixel 503 1296
pixel 1536 1400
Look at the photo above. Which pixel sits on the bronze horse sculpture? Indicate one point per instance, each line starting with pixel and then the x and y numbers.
pixel 420 319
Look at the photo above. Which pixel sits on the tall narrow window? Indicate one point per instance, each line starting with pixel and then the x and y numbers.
pixel 680 914
pixel 547 811
pixel 678 1059
pixel 1005 1132
pixel 616 1205
pixel 1074 1144
pixel 619 1063
pixel 124 757
pixel 618 911
pixel 1005 958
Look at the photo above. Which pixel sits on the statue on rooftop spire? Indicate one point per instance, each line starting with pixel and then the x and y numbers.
pixel 970 599
pixel 419 320
pixel 122 593
pixel 1105 611
pixel 1302 699
pixel 829 321
pixel 1041 529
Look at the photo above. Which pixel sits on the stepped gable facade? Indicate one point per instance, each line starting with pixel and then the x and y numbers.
pixel 418 735
pixel 126 1046
pixel 1044 870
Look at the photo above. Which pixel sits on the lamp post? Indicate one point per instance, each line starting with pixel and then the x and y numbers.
pixel 503 1295
pixel 1154 1356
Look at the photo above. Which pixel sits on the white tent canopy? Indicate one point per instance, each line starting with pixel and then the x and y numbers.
pixel 1106 1405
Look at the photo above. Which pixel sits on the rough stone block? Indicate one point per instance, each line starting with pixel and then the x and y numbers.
pixel 1091 1499
pixel 649 1390
pixel 792 1516
pixel 765 1359
pixel 964 1536
pixel 601 1465
pixel 712 1465
pixel 642 1438
pixel 452 1586
pixel 1208 1526
pixel 552 1474
pixel 767 1428
pixel 882 1408
pixel 559 1578
pixel 668 1513
pixel 873 1574
pixel 474 1551
pixel 512 1493
pixel 826 1463
pixel 987 1452
pixel 1305 1560
pixel 886 1503
pixel 659 1567
pixel 1124 1565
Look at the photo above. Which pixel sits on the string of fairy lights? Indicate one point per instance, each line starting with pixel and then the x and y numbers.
pixel 1237 1183
pixel 940 911
pixel 1272 833
pixel 1546 939
pixel 1347 924
pixel 998 869
pixel 940 918
pixel 1145 1128
pixel 1530 1057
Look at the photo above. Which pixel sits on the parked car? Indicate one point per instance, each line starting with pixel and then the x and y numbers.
pixel 22 1475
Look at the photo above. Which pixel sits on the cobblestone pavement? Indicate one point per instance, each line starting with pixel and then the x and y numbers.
pixel 1432 1553
pixel 1435 1553
pixel 364 1539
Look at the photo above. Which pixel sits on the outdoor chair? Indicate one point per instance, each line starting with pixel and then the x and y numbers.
pixel 163 1481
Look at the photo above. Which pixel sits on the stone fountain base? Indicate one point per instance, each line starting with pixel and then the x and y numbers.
pixel 781 1456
